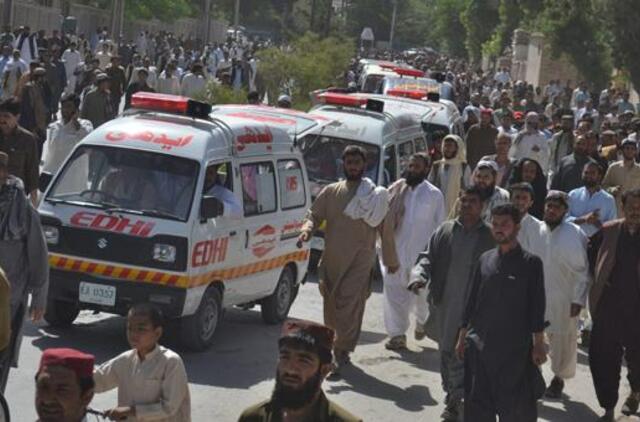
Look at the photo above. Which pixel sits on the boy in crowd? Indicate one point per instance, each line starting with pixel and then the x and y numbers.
pixel 151 379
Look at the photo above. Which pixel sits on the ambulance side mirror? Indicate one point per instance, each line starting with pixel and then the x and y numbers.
pixel 44 180
pixel 210 207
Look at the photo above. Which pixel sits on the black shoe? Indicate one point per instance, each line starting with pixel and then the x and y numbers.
pixel 554 391
pixel 451 413
pixel 630 406
pixel 607 417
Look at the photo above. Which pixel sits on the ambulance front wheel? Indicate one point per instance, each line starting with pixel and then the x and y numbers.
pixel 275 308
pixel 61 314
pixel 198 329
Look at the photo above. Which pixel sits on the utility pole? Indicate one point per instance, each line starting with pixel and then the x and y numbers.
pixel 207 20
pixel 393 23
pixel 7 13
pixel 236 16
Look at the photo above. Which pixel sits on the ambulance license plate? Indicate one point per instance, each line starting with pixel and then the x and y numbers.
pixel 97 294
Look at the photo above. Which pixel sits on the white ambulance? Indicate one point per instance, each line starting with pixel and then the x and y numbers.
pixel 170 205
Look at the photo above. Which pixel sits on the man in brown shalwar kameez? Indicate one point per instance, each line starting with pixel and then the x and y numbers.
pixel 349 254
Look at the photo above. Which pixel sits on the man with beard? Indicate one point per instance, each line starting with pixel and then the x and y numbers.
pixel 590 206
pixel 623 175
pixel 484 177
pixel 305 361
pixel 531 143
pixel 23 257
pixel 522 195
pixel 563 249
pixel 569 173
pixel 481 138
pixel 34 113
pixel 614 300
pixel 64 386
pixel 562 142
pixel 64 134
pixel 502 339
pixel 416 209
pixel 352 209
pixel 444 270
pixel 451 174
pixel 21 146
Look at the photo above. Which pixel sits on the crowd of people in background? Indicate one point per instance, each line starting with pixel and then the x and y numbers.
pixel 542 191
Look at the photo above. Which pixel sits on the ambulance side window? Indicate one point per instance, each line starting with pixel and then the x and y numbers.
pixel 258 188
pixel 291 181
pixel 389 165
pixel 405 151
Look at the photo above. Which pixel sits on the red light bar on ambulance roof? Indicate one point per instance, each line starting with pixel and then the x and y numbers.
pixel 408 72
pixel 407 93
pixel 334 98
pixel 170 104
pixel 388 65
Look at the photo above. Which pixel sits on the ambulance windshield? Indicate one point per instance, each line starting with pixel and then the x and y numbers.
pixel 131 181
pixel 323 158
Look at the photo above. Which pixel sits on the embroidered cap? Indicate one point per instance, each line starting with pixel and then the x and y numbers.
pixel 316 336
pixel 79 362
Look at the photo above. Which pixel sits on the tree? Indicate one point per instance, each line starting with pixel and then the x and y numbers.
pixel 623 17
pixel 572 29
pixel 480 20
pixel 448 31
pixel 314 62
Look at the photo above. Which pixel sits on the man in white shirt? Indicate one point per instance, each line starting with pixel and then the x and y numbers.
pixel 416 209
pixel 231 205
pixel 71 59
pixel 169 82
pixel 503 76
pixel 13 71
pixel 104 56
pixel 64 134
pixel 562 246
pixel 531 143
pixel 194 82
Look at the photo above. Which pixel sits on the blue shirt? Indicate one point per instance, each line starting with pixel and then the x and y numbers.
pixel 581 202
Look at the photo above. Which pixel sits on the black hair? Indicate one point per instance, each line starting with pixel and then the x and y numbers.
pixel 355 150
pixel 594 164
pixel 10 105
pixel 523 187
pixel 631 193
pixel 509 210
pixel 71 98
pixel 148 310
pixel 85 383
pixel 422 156
pixel 474 190
pixel 539 185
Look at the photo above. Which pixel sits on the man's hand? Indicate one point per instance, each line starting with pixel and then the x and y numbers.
pixel 120 413
pixel 37 314
pixel 593 218
pixel 304 237
pixel 539 353
pixel 575 310
pixel 615 190
pixel 461 343
pixel 392 269
pixel 416 286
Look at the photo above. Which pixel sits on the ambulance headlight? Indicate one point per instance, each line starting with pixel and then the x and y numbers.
pixel 164 253
pixel 51 234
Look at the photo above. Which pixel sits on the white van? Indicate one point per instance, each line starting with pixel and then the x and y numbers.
pixel 170 205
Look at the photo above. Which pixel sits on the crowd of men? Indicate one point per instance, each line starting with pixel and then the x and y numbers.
pixel 496 242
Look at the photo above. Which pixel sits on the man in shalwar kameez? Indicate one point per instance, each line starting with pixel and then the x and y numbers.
pixel 23 257
pixel 353 209
pixel 416 209
pixel 562 246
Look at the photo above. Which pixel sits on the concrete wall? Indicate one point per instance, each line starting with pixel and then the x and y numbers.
pixel 89 18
